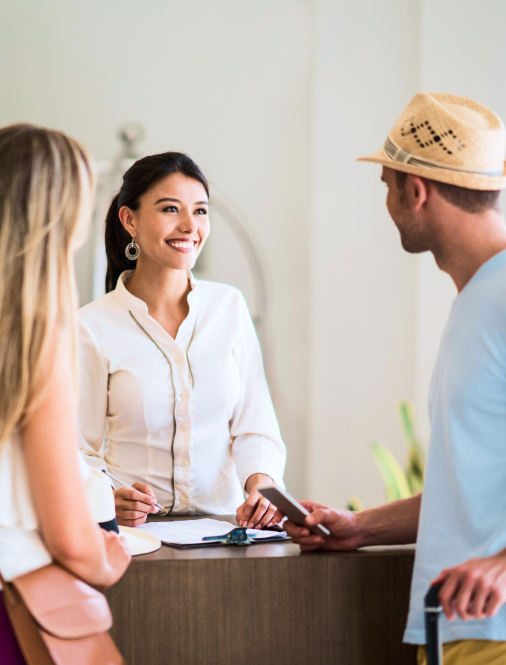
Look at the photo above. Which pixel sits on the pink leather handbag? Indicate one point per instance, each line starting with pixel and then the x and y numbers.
pixel 59 620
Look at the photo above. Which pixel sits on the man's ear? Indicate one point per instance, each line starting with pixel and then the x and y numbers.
pixel 127 219
pixel 416 192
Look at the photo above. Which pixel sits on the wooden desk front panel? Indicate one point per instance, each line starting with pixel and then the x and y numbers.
pixel 264 605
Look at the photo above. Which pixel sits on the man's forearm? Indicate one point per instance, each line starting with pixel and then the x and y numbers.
pixel 394 523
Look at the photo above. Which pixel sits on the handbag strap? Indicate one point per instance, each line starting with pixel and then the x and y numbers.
pixel 25 629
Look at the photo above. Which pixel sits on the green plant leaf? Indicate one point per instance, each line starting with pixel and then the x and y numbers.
pixel 354 504
pixel 396 483
pixel 415 483
pixel 415 465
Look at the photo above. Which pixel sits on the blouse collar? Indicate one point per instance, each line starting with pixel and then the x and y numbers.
pixel 140 310
pixel 134 304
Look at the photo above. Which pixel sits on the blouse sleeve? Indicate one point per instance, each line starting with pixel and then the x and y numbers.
pixel 257 446
pixel 93 370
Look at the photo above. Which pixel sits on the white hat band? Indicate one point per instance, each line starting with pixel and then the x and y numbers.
pixel 403 157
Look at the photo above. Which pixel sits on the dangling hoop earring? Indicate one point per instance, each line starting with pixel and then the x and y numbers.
pixel 132 250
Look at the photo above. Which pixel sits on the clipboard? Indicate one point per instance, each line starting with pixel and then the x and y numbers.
pixel 237 537
pixel 186 534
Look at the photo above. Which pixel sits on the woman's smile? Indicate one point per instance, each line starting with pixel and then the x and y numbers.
pixel 185 245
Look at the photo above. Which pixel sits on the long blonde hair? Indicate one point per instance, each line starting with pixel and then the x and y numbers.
pixel 42 192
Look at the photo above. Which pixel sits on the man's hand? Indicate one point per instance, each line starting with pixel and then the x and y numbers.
pixel 475 589
pixel 342 525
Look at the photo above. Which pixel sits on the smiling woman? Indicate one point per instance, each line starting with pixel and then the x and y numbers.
pixel 171 366
pixel 146 177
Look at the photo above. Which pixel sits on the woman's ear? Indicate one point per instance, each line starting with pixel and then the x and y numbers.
pixel 127 219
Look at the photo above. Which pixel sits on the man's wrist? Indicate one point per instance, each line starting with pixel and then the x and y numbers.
pixel 501 556
pixel 366 528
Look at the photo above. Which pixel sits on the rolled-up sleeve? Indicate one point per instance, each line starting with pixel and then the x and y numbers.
pixel 93 370
pixel 257 446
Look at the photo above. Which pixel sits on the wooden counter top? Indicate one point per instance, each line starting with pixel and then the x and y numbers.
pixel 264 604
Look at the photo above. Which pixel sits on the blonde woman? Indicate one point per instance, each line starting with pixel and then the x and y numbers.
pixel 171 365
pixel 46 187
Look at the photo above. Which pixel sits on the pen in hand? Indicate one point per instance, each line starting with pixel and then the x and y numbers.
pixel 162 510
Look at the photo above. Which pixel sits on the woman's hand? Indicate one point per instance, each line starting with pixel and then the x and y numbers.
pixel 256 512
pixel 118 555
pixel 133 506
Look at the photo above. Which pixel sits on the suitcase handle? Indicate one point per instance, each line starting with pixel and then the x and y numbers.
pixel 432 633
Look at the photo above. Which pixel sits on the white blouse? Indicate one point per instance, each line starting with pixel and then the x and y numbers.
pixel 22 546
pixel 193 414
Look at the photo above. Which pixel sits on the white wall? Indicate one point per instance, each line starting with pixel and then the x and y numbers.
pixel 275 100
pixel 363 283
pixel 228 82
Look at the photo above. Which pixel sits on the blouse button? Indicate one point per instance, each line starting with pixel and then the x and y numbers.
pixel 185 462
pixel 185 395
pixel 178 359
pixel 183 500
pixel 184 427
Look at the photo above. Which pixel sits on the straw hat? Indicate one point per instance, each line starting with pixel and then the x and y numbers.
pixel 447 138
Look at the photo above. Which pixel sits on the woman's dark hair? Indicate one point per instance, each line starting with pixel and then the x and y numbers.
pixel 139 178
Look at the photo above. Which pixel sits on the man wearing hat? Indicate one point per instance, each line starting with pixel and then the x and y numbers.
pixel 443 164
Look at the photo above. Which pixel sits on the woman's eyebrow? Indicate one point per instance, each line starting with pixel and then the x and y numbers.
pixel 167 199
pixel 198 203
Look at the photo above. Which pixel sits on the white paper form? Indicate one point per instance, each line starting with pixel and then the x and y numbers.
pixel 191 532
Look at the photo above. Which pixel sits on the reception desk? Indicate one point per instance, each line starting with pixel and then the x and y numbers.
pixel 264 605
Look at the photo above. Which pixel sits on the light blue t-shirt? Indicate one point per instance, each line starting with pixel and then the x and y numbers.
pixel 463 514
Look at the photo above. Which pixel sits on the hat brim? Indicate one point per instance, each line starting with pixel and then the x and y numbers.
pixel 457 178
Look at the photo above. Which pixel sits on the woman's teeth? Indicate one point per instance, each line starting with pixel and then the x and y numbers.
pixel 183 244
